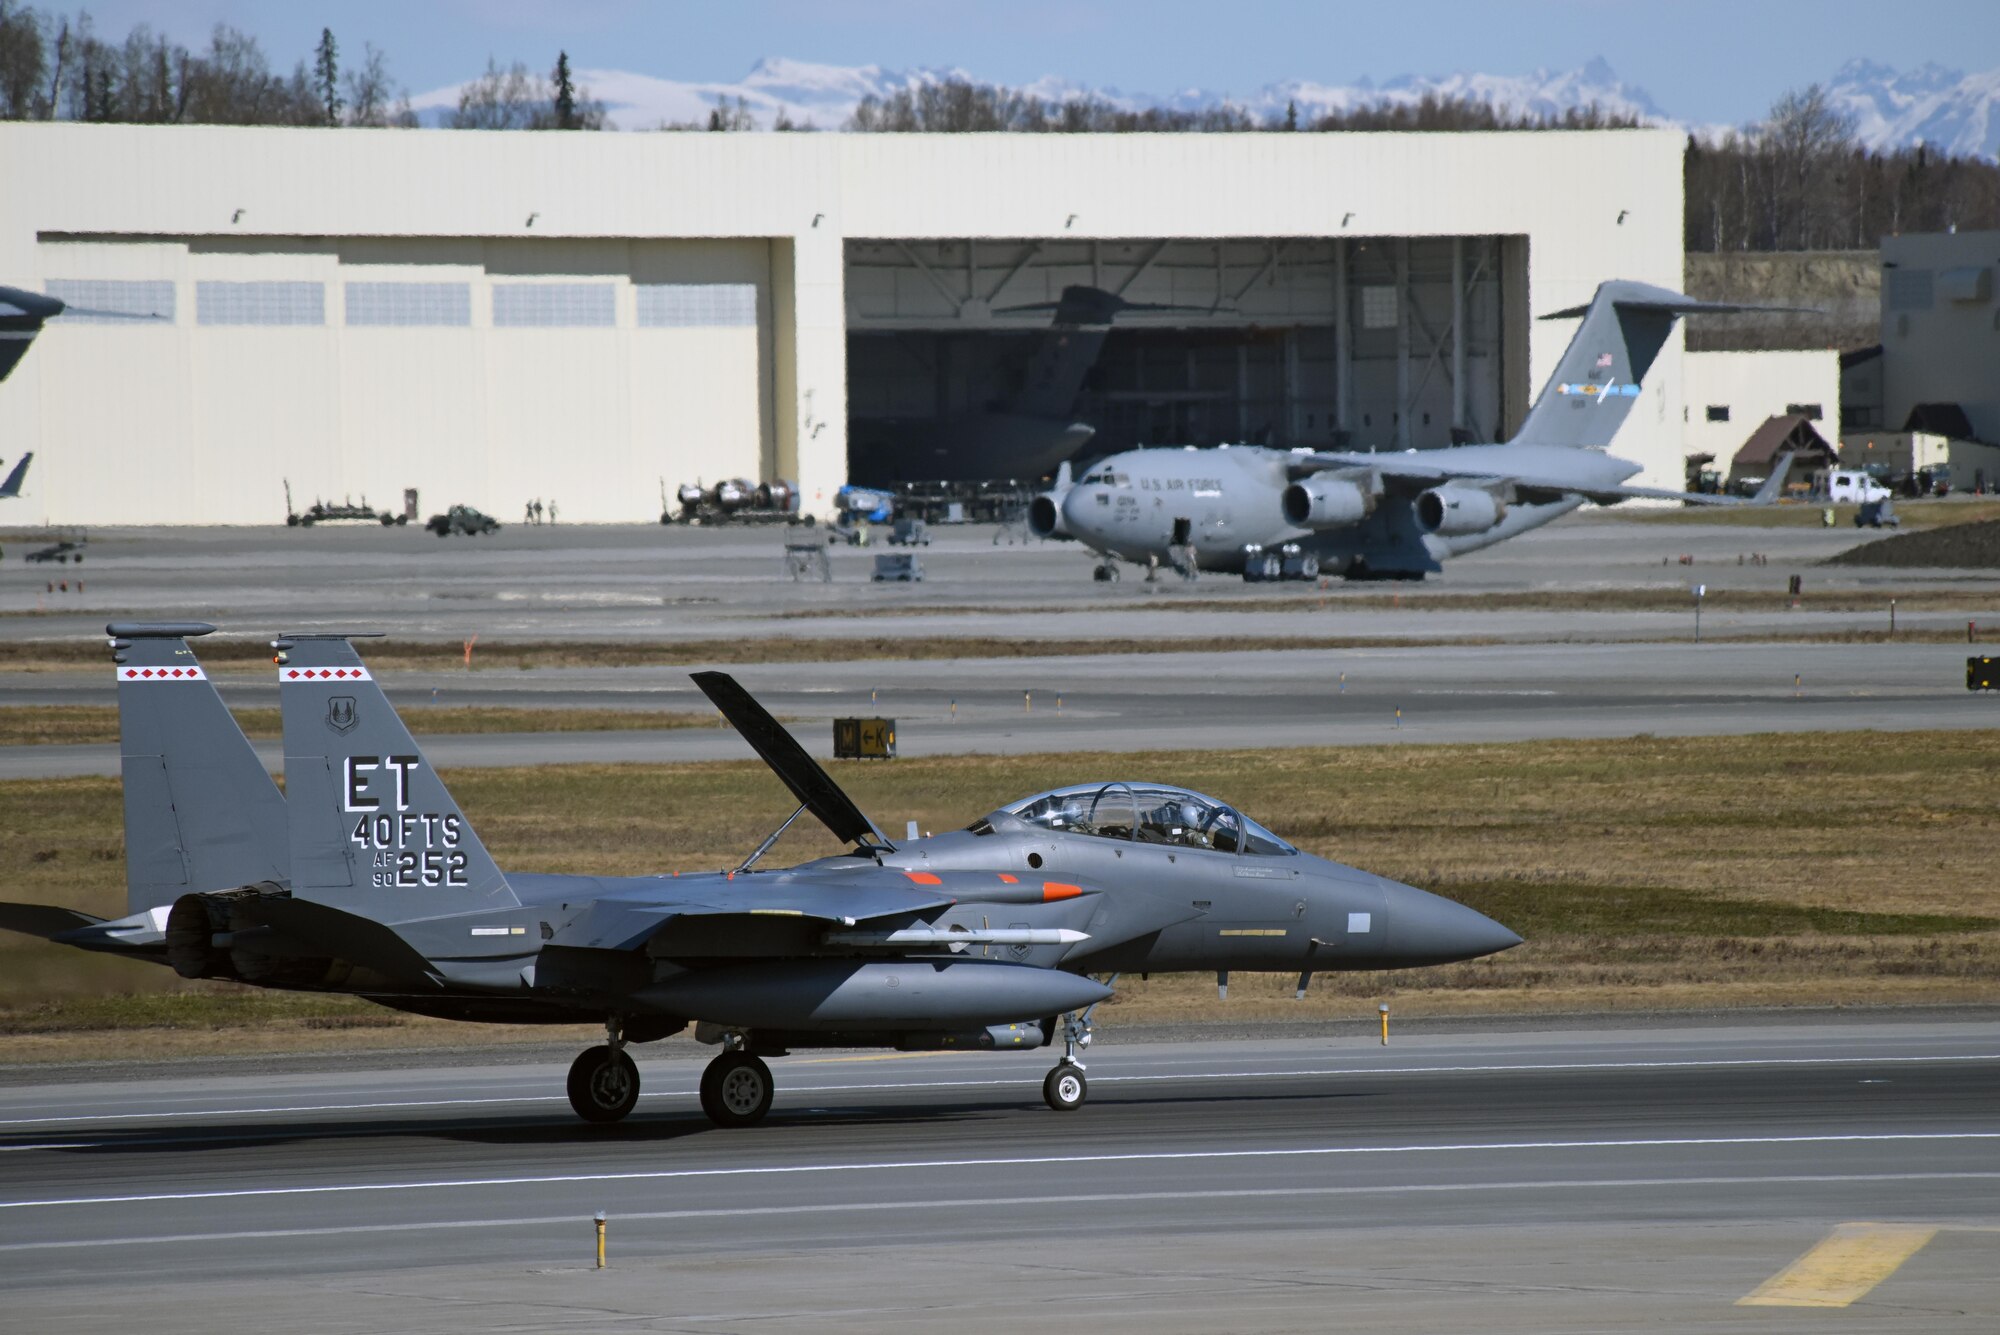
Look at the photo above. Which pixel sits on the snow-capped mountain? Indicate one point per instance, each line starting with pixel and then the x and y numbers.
pixel 822 95
pixel 1952 111
pixel 1955 112
pixel 1543 93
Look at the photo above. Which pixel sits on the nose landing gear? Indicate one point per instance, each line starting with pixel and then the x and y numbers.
pixel 1064 1088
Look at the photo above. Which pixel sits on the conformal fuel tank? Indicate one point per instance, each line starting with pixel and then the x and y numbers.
pixel 845 994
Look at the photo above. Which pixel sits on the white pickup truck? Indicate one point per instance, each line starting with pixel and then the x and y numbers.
pixel 1851 486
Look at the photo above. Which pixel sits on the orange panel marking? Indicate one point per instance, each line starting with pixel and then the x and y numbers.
pixel 1011 880
pixel 924 877
pixel 1057 890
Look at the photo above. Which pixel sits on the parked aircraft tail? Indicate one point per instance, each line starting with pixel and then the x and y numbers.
pixel 1082 318
pixel 1601 372
pixel 201 811
pixel 12 486
pixel 373 829
pixel 21 317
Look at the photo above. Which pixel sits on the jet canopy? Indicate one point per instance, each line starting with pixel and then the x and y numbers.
pixel 1149 813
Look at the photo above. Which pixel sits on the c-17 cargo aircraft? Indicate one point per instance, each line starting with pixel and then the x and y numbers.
pixel 1246 509
pixel 981 938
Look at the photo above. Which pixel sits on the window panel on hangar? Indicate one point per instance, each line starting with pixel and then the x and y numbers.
pixel 1251 351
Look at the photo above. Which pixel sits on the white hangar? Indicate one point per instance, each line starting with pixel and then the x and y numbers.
pixel 495 317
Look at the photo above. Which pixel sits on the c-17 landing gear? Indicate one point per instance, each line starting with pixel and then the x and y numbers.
pixel 604 1081
pixel 1065 1088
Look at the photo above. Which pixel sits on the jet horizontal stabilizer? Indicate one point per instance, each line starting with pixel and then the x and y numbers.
pixel 48 921
pixel 1644 296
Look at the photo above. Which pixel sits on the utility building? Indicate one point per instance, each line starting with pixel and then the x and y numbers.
pixel 1941 334
pixel 495 317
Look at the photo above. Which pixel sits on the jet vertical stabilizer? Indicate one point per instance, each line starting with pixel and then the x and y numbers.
pixel 22 315
pixel 1598 380
pixel 11 488
pixel 1067 352
pixel 201 812
pixel 373 830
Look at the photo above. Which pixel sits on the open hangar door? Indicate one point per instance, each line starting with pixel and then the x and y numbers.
pixel 1388 343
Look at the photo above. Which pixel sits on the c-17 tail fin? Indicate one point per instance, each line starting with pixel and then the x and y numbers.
pixel 373 829
pixel 201 811
pixel 22 315
pixel 1601 372
pixel 11 488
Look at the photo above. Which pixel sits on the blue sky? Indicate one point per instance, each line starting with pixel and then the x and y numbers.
pixel 1701 60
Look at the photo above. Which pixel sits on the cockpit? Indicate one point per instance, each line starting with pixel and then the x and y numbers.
pixel 1106 477
pixel 1149 814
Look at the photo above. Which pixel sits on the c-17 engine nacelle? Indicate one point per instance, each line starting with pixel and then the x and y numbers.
pixel 1457 512
pixel 1326 503
pixel 1045 517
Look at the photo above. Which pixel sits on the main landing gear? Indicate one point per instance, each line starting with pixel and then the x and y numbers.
pixel 604 1081
pixel 736 1089
pixel 1065 1088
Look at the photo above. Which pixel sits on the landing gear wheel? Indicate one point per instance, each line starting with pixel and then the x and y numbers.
pixel 736 1089
pixel 603 1084
pixel 1065 1089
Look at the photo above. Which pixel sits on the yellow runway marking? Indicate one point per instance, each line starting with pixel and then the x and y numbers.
pixel 1847 1263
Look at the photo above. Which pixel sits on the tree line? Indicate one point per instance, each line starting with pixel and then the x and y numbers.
pixel 57 67
pixel 1800 181
pixel 955 106
pixel 1796 181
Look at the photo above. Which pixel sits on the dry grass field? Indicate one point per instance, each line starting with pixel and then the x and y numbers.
pixel 1811 869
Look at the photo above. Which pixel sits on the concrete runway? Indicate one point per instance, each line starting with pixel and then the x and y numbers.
pixel 654 583
pixel 1194 701
pixel 1530 674
pixel 1581 1179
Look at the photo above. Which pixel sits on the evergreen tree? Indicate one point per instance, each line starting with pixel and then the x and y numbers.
pixel 565 95
pixel 326 76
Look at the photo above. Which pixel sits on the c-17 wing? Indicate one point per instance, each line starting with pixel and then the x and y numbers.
pixel 1409 471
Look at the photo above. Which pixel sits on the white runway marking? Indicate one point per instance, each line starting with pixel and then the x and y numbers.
pixel 1023 1161
pixel 934 1203
pixel 998 1081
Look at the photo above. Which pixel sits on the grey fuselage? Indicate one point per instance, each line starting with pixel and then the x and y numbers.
pixel 1231 496
pixel 1140 907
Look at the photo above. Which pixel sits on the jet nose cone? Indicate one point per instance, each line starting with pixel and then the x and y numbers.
pixel 1429 929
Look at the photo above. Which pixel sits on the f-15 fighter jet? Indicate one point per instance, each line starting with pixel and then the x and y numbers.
pixel 990 937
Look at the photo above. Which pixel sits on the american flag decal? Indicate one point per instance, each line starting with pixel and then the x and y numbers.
pixel 1604 359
